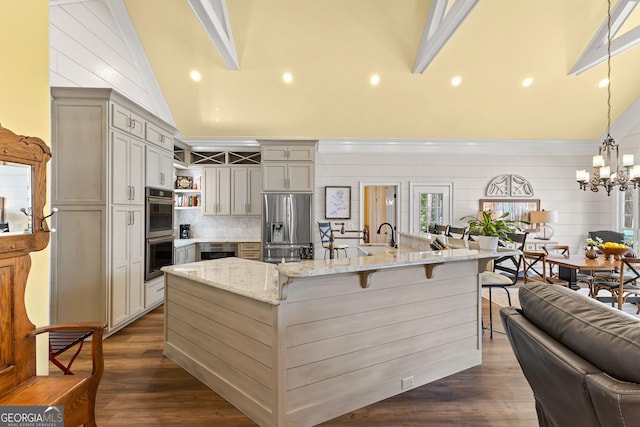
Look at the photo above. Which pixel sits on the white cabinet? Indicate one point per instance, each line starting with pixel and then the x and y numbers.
pixel 246 184
pixel 159 137
pixel 127 266
pixel 185 254
pixel 159 168
pixel 288 153
pixel 97 183
pixel 277 176
pixel 288 167
pixel 127 169
pixel 124 119
pixel 250 250
pixel 216 197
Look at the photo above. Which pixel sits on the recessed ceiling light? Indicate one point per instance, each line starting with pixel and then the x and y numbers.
pixel 456 81
pixel 374 80
pixel 287 78
pixel 195 76
pixel 603 83
pixel 527 82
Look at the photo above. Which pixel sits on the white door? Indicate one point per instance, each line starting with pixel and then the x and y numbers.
pixel 430 204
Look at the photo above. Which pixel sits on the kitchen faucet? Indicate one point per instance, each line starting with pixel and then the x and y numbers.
pixel 393 242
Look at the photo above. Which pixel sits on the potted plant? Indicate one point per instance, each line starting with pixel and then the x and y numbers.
pixel 492 228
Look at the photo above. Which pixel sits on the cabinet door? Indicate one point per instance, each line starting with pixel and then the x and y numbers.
pixel 190 253
pixel 216 197
pixel 120 188
pixel 137 125
pixel 276 153
pixel 120 117
pixel 239 186
pixel 180 255
pixel 137 171
pixel 300 153
pixel 254 200
pixel 118 290
pixel 135 241
pixel 159 168
pixel 157 136
pixel 154 161
pixel 300 177
pixel 274 176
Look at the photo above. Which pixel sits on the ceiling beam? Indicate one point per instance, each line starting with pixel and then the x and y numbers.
pixel 439 28
pixel 214 18
pixel 596 51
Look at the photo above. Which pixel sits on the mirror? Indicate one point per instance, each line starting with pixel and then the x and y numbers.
pixel 380 203
pixel 15 199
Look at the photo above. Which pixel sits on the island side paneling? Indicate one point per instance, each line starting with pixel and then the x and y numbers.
pixel 225 340
pixel 347 347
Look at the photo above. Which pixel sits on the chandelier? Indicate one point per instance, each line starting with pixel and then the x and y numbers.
pixel 607 170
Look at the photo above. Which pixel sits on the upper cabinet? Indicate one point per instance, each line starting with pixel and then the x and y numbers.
pixel 124 119
pixel 246 184
pixel 288 165
pixel 159 168
pixel 158 136
pixel 216 199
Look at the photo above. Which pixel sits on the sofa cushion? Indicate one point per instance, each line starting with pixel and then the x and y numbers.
pixel 606 337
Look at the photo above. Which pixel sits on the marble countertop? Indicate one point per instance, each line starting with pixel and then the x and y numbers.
pixel 260 281
pixel 179 243
pixel 253 279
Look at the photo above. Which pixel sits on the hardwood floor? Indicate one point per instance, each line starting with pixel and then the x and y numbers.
pixel 140 387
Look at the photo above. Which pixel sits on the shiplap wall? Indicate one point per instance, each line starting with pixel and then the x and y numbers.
pixel 86 49
pixel 552 178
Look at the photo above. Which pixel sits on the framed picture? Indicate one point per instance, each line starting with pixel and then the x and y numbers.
pixel 184 182
pixel 337 202
pixel 518 208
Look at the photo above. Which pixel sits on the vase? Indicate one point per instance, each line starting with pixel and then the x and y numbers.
pixel 590 252
pixel 488 242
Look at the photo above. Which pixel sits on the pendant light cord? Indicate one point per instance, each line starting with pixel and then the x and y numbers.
pixel 609 69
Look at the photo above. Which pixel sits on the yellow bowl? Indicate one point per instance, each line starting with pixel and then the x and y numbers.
pixel 616 252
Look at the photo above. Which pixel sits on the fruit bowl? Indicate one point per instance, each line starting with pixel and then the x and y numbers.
pixel 617 252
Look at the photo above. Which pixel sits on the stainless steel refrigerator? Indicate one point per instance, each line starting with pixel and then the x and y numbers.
pixel 286 227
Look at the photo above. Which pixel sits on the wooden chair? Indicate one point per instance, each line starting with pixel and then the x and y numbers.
pixel 624 287
pixel 19 384
pixel 536 269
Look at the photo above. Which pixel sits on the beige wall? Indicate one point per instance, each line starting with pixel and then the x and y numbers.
pixel 24 109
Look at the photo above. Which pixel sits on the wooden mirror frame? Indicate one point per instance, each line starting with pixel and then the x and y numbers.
pixel 30 151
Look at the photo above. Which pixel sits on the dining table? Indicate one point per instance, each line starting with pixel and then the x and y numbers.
pixel 568 267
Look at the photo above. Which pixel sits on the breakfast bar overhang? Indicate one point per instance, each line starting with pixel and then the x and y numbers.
pixel 300 343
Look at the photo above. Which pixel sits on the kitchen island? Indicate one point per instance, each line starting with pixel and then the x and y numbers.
pixel 300 343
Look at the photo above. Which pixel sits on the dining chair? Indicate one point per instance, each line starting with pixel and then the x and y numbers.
pixel 440 229
pixel 506 271
pixel 4 227
pixel 325 232
pixel 456 232
pixel 536 269
pixel 625 285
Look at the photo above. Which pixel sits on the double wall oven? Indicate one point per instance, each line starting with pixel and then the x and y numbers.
pixel 159 231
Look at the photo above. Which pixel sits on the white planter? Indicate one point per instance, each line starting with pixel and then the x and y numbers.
pixel 488 242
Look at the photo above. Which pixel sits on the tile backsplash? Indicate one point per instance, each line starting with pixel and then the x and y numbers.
pixel 218 227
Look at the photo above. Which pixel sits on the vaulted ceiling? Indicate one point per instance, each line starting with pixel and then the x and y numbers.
pixel 331 48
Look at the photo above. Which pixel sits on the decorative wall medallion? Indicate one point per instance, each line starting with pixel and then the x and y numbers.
pixel 509 185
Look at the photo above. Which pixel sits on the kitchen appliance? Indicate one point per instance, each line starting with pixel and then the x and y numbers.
pixel 158 231
pixel 185 231
pixel 159 212
pixel 159 253
pixel 286 227
pixel 217 250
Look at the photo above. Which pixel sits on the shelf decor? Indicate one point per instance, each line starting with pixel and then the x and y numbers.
pixel 184 182
pixel 337 202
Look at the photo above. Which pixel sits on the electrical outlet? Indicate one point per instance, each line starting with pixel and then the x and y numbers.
pixel 408 382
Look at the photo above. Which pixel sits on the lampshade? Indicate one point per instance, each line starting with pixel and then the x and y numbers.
pixel 544 231
pixel 543 217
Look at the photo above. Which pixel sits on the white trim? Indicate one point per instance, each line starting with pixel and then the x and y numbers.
pixel 63 2
pixel 439 28
pixel 596 51
pixel 412 208
pixel 130 37
pixel 470 146
pixel 214 18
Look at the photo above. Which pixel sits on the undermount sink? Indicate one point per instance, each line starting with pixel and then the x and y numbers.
pixel 367 249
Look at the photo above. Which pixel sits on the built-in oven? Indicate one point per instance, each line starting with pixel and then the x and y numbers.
pixel 159 253
pixel 159 212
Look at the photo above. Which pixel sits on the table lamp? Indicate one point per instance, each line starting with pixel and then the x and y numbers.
pixel 542 218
